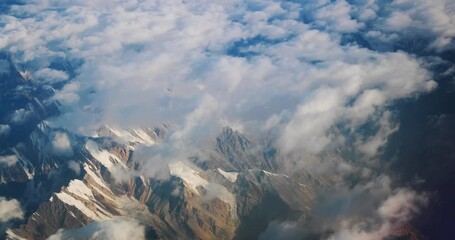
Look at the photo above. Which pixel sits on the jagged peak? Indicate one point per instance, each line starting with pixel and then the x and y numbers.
pixel 146 136
pixel 233 138
pixel 43 126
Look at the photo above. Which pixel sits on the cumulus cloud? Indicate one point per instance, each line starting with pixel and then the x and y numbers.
pixel 8 160
pixel 75 166
pixel 9 210
pixel 51 75
pixel 109 230
pixel 337 16
pixel 61 144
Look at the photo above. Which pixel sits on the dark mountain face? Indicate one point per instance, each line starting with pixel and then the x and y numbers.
pixel 423 151
pixel 23 103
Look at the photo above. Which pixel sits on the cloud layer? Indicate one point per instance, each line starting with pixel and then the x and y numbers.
pixel 147 62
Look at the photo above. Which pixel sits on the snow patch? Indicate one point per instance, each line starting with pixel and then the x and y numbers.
pixel 70 200
pixel 231 176
pixel 274 174
pixel 187 174
pixel 24 163
pixel 95 177
pixel 72 214
pixel 12 235
pixel 144 136
pixel 138 136
pixel 78 188
pixel 98 184
pixel 104 157
pixel 192 179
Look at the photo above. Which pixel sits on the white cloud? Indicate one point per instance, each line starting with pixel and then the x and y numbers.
pixel 307 131
pixel 51 75
pixel 398 21
pixel 108 230
pixel 68 94
pixel 382 36
pixel 20 116
pixel 8 160
pixel 401 206
pixel 75 166
pixel 393 213
pixel 422 19
pixel 337 16
pixel 9 210
pixel 5 129
pixel 61 144
pixel 350 93
pixel 370 146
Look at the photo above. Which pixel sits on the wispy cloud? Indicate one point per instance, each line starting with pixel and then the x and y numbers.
pixel 371 210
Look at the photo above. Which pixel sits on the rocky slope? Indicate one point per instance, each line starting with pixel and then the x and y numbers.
pixel 234 194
